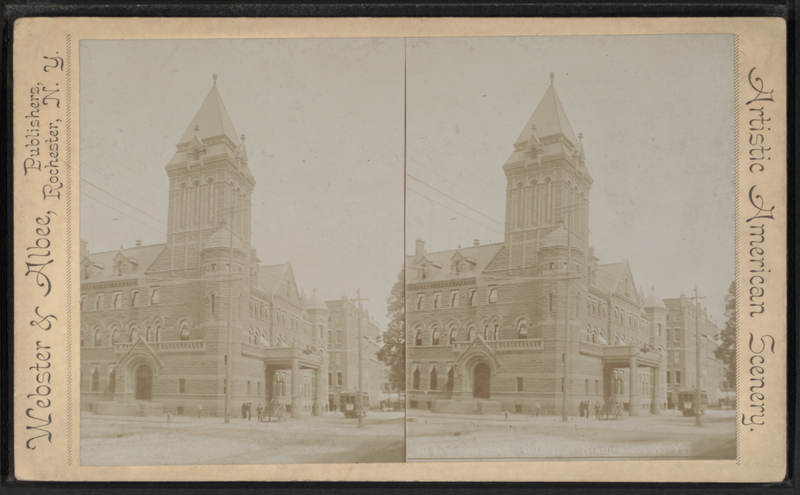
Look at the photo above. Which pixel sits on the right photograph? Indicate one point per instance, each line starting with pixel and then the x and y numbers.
pixel 570 248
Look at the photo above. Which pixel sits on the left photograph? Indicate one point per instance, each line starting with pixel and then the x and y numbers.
pixel 241 222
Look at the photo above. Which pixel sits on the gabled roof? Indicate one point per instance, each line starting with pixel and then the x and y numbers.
pixel 549 119
pixel 479 256
pixel 608 275
pixel 611 278
pixel 143 257
pixel 279 279
pixel 212 120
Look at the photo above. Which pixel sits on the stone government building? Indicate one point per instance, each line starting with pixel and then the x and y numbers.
pixel 486 323
pixel 154 319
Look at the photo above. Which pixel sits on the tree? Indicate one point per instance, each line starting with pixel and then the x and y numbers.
pixel 393 352
pixel 726 352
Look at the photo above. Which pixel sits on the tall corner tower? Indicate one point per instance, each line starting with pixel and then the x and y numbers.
pixel 547 182
pixel 210 184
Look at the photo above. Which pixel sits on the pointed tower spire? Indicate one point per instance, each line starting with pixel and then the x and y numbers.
pixel 213 120
pixel 549 118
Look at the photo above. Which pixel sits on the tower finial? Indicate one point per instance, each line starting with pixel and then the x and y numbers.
pixel 242 137
pixel 552 76
pixel 196 128
pixel 580 135
pixel 214 77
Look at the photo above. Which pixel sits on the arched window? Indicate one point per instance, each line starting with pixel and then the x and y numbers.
pixel 154 297
pixel 134 334
pixel 588 334
pixel 453 334
pixel 418 337
pixel 435 340
pixel 434 378
pixel 98 338
pixel 158 332
pixel 184 331
pixel 471 333
pixel 147 333
pixel 213 302
pixel 114 335
pixel 485 331
pixel 496 332
pixel 522 331
pixel 550 303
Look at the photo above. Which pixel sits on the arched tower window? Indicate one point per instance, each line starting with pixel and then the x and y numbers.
pixel 184 332
pixel 418 337
pixel 435 340
pixel 471 333
pixel 522 330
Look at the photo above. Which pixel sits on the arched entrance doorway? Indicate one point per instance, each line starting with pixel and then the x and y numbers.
pixel 144 383
pixel 481 377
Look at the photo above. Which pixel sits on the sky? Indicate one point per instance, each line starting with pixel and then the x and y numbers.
pixel 656 113
pixel 324 127
pixel 324 121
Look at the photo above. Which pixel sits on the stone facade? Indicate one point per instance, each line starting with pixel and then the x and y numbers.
pixel 487 324
pixel 343 347
pixel 683 318
pixel 156 320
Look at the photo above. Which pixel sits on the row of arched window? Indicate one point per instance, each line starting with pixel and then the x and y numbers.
pixel 150 330
pixel 532 204
pixel 259 310
pixel 197 205
pixel 434 377
pixel 489 330
pixel 596 307
pixel 118 300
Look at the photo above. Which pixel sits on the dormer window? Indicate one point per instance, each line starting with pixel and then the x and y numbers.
pixel 492 295
pixel 454 299
pixel 473 299
pixel 436 298
pixel 154 297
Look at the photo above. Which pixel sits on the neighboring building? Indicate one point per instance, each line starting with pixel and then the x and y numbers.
pixel 486 323
pixel 155 319
pixel 683 317
pixel 343 346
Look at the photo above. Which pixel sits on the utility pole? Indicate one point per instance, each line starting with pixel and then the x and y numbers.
pixel 698 356
pixel 360 398
pixel 229 365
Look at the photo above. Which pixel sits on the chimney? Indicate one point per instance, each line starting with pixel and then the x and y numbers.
pixel 138 243
pixel 420 250
pixel 476 242
pixel 84 244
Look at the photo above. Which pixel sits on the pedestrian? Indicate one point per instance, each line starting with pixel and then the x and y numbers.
pixel 244 410
pixel 581 408
pixel 258 410
pixel 506 411
pixel 249 407
pixel 199 409
pixel 597 411
pixel 588 408
pixel 538 408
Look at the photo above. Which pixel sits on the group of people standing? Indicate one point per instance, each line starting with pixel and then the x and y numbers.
pixel 585 408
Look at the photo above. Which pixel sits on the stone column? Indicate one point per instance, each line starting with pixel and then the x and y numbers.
pixel 655 402
pixel 633 403
pixel 316 409
pixel 297 405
